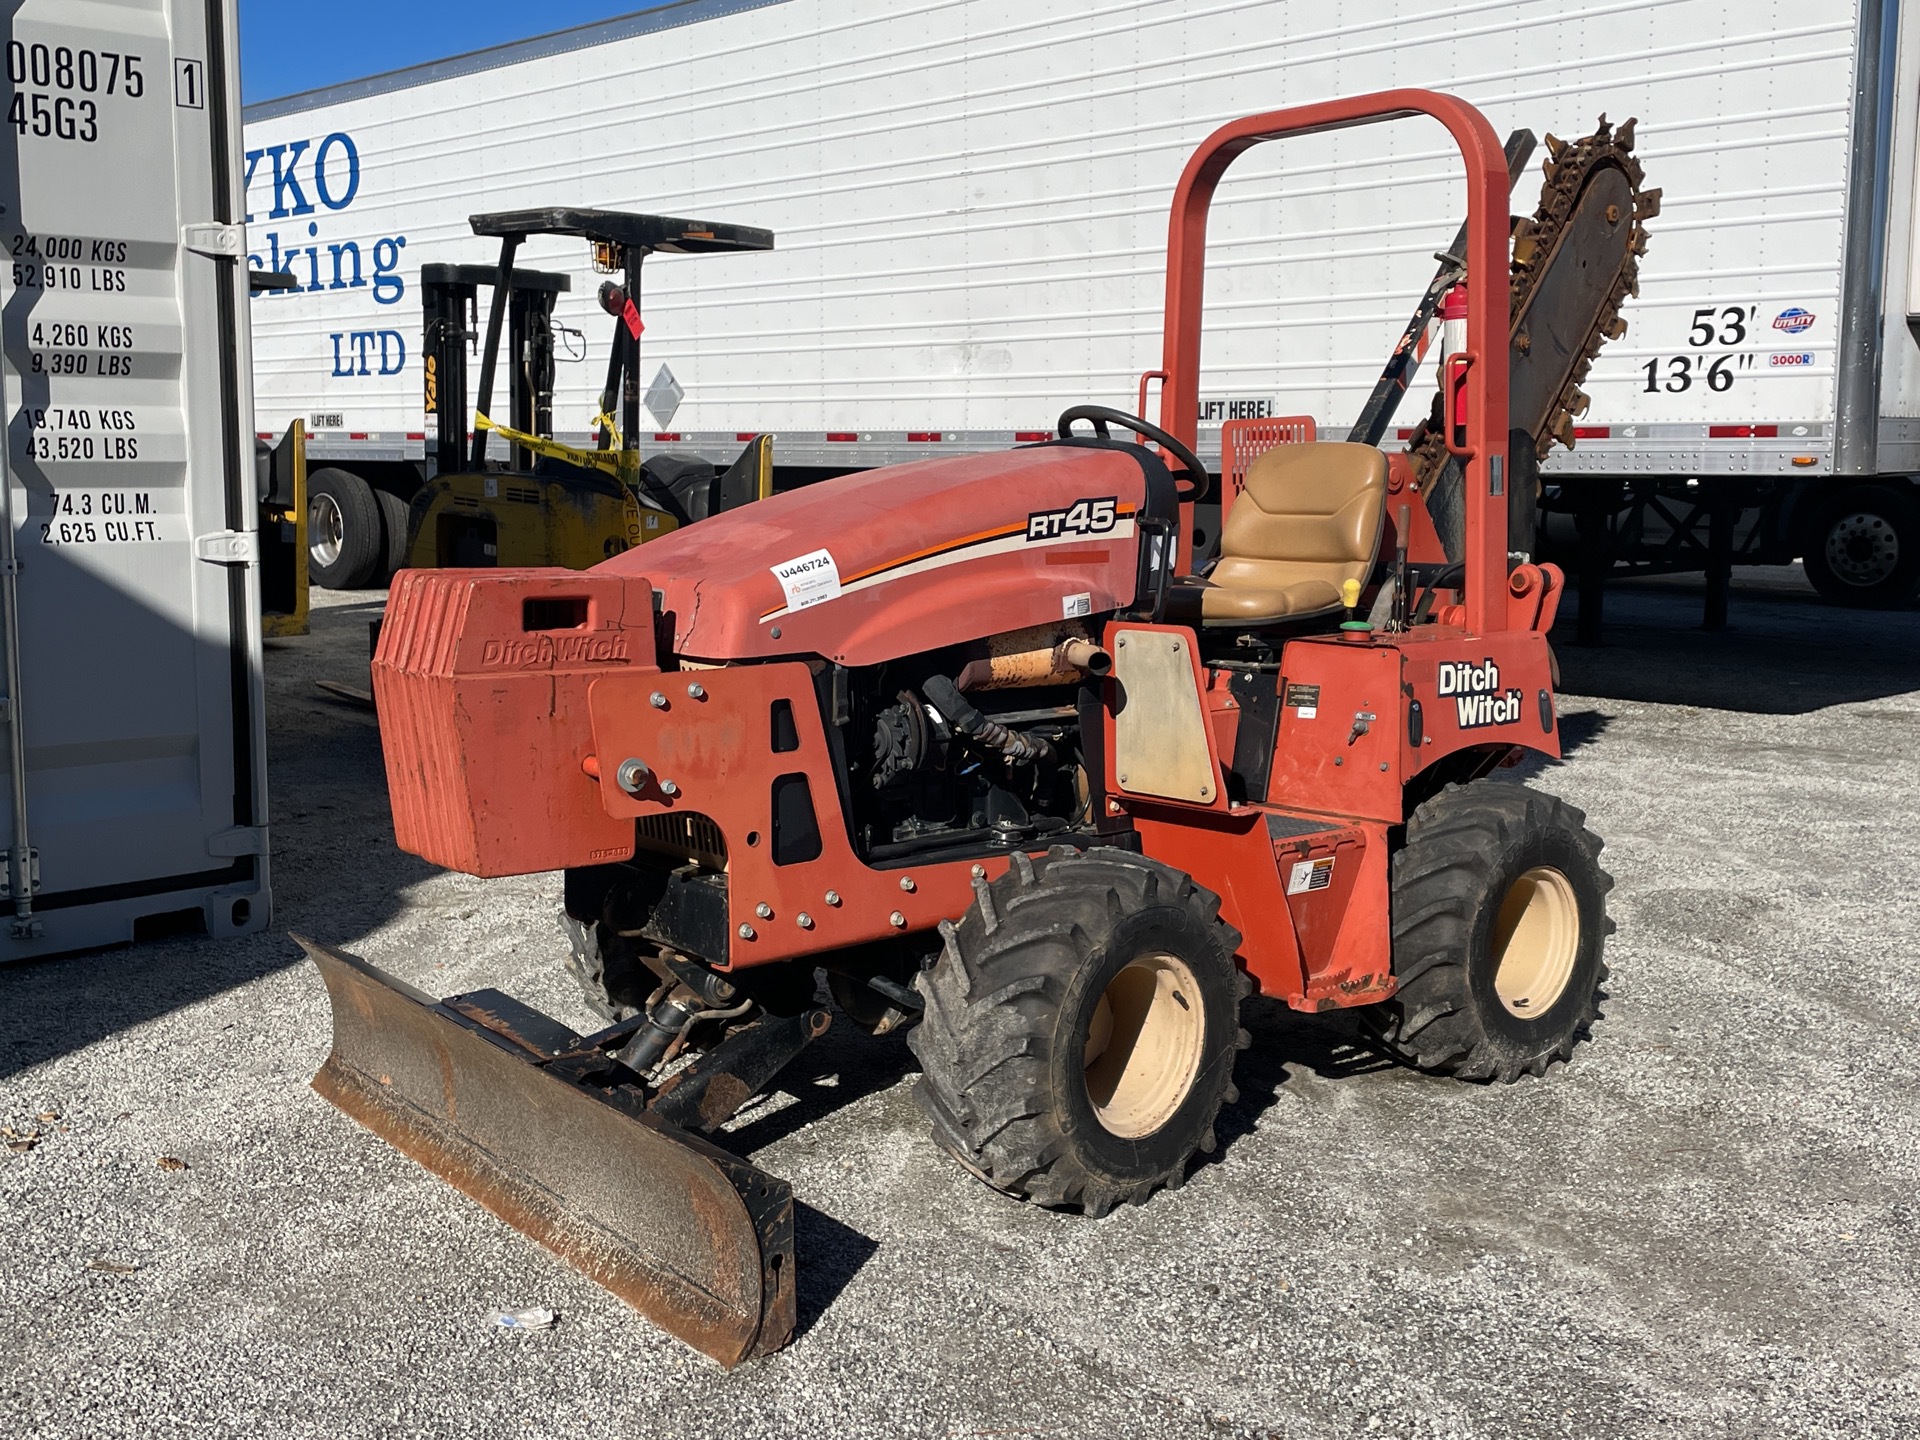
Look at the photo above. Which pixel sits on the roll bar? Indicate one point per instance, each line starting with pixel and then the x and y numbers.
pixel 1485 355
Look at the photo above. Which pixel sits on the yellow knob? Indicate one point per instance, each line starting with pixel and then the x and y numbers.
pixel 1350 593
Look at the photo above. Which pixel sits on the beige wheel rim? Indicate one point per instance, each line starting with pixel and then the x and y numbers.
pixel 1536 939
pixel 1144 1044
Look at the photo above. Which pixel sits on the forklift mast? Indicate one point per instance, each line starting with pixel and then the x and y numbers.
pixel 621 241
pixel 449 295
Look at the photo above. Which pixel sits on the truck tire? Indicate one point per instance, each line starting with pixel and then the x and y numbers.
pixel 1499 912
pixel 1081 1027
pixel 393 532
pixel 345 543
pixel 1863 548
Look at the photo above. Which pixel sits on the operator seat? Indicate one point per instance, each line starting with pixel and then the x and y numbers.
pixel 1308 520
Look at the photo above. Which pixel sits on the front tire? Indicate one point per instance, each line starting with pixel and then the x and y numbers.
pixel 1081 1027
pixel 1499 914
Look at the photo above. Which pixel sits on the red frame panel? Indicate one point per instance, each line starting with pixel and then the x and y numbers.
pixel 717 750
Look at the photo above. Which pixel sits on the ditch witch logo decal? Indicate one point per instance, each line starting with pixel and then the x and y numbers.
pixel 543 652
pixel 1475 689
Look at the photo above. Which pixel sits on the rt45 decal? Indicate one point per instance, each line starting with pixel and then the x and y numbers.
pixel 1084 517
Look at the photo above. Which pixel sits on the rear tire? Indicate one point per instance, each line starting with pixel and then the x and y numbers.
pixel 614 981
pixel 1081 1028
pixel 345 542
pixel 393 532
pixel 1863 549
pixel 1499 915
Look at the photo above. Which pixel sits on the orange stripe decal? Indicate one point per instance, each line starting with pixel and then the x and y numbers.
pixel 1001 532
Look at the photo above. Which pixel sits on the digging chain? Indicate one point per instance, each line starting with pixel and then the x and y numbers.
pixel 1539 241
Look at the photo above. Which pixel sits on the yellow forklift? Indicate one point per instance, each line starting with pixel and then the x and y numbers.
pixel 282 478
pixel 546 502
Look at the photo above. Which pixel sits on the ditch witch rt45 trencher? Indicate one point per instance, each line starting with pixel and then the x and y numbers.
pixel 969 736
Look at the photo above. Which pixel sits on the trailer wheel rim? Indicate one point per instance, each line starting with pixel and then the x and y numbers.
pixel 1536 941
pixel 1144 1044
pixel 326 529
pixel 1863 549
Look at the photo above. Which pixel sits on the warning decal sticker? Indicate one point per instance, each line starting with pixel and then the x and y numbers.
pixel 1316 874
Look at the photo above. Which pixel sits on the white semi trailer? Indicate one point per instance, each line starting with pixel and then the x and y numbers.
pixel 969 198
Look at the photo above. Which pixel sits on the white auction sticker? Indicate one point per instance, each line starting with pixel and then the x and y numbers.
pixel 808 579
pixel 1311 875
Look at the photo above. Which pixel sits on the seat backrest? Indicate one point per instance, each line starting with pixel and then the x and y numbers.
pixel 1313 511
pixel 1244 441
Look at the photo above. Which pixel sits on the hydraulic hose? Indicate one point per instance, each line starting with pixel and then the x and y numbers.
pixel 945 697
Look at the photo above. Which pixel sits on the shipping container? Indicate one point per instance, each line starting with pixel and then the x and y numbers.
pixel 129 588
pixel 971 197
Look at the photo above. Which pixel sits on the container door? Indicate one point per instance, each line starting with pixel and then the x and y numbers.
pixel 132 491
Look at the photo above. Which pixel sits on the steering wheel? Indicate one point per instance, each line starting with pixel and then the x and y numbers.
pixel 1103 415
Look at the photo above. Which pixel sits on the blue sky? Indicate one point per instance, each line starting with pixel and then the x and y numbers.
pixel 286 48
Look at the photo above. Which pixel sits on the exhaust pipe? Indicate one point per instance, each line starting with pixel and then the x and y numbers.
pixel 1079 654
pixel 1041 655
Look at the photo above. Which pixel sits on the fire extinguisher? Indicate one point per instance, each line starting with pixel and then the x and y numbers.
pixel 1453 341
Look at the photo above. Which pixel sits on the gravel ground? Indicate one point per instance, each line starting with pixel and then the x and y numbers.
pixel 1707 1225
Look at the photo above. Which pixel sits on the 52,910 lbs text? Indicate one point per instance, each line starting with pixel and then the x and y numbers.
pixel 38 263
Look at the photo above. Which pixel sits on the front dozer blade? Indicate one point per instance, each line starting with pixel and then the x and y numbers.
pixel 493 1098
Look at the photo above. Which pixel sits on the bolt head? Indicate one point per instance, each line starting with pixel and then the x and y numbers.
pixel 1383 766
pixel 631 776
pixel 669 789
pixel 897 920
pixel 763 910
pixel 657 700
pixel 1121 643
pixel 979 872
pixel 803 920
pixel 696 692
pixel 1121 778
pixel 1206 792
pixel 1176 647
pixel 906 883
pixel 746 932
pixel 833 897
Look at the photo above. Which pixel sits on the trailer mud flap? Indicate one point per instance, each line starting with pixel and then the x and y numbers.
pixel 493 1098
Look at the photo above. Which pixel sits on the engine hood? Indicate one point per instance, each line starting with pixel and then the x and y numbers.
pixel 907 558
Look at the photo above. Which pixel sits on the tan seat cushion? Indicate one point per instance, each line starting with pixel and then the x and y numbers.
pixel 1308 521
pixel 1210 603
